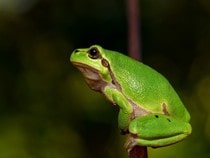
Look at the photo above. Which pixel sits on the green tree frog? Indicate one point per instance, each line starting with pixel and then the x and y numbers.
pixel 150 111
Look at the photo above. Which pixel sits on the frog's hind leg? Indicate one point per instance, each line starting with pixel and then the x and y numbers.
pixel 156 130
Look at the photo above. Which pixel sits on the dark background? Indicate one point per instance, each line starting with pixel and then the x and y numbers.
pixel 46 109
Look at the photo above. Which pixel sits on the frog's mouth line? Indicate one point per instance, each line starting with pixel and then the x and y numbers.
pixel 91 75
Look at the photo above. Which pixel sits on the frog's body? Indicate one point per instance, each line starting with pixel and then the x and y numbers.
pixel 150 110
pixel 154 96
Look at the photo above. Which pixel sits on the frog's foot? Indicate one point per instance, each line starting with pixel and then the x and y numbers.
pixel 131 142
pixel 157 130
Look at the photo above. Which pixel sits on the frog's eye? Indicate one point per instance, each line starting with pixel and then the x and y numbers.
pixel 94 53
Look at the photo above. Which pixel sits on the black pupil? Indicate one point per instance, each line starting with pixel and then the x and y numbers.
pixel 93 53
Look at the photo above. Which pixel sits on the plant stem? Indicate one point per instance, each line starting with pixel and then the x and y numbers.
pixel 138 152
pixel 134 42
pixel 134 51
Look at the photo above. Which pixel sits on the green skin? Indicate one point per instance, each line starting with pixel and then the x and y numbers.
pixel 150 110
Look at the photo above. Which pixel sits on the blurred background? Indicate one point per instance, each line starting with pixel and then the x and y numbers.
pixel 47 110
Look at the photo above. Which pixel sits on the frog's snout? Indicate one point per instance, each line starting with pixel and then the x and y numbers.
pixel 73 54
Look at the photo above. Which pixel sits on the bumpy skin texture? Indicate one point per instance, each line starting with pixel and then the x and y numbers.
pixel 150 110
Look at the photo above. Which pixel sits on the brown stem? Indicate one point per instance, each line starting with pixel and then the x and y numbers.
pixel 134 51
pixel 138 152
pixel 134 42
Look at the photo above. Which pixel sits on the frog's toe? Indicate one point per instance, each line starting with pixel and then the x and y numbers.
pixel 131 142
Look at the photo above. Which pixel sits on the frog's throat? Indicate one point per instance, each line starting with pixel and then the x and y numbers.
pixel 91 76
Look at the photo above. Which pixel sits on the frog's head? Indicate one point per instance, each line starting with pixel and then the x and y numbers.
pixel 94 66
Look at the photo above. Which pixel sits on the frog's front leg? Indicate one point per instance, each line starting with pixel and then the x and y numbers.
pixel 125 108
pixel 156 130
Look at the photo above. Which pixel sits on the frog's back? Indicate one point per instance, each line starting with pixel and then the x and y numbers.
pixel 146 87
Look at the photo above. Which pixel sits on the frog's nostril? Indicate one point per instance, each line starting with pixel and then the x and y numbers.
pixel 76 50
